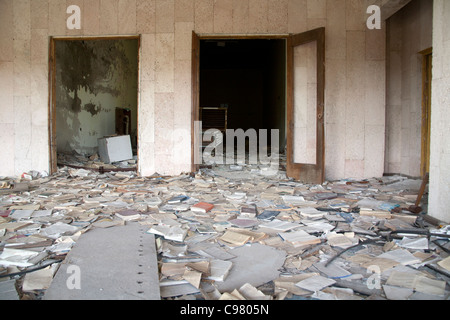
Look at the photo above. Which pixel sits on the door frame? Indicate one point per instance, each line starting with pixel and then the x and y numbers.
pixel 427 61
pixel 311 173
pixel 52 89
pixel 195 114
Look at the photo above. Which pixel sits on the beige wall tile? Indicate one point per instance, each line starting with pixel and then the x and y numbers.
pixel 39 46
pixel 164 62
pixel 336 32
pixel 91 17
pixel 375 98
pixel 39 94
pixel 182 98
pixel 22 67
pixel 165 10
pixel 183 40
pixel 7 141
pixel 376 44
pixel 39 14
pixel 355 114
pixel 240 16
pixel 147 57
pixel 336 92
pixel 127 17
pixel 334 155
pixel 146 16
pixel 223 16
pixel 22 19
pixel 109 14
pixel 6 30
pixel 184 10
pixel 164 111
pixel 204 16
pixel 316 9
pixel 356 15
pixel 146 158
pixel 57 18
pixel 22 131
pixel 354 169
pixel 258 16
pixel 297 16
pixel 278 16
pixel 147 112
pixel 163 147
pixel 6 92
pixel 39 148
pixel 374 150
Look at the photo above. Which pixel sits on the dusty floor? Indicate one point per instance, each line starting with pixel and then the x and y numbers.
pixel 266 237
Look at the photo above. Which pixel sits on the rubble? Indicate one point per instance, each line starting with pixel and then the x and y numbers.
pixel 225 233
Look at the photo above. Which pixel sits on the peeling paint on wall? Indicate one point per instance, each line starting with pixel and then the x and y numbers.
pixel 93 78
pixel 92 108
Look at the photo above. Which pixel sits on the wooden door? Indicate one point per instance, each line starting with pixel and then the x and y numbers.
pixel 426 111
pixel 305 106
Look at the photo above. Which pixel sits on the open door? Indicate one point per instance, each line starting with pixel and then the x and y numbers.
pixel 305 106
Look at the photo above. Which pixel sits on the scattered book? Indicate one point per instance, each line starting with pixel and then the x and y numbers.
pixel 299 238
pixel 202 207
pixel 249 212
pixel 309 212
pixel 205 228
pixel 128 215
pixel 280 225
pixel 268 214
pixel 173 233
pixel 234 238
pixel 219 270
pixel 177 199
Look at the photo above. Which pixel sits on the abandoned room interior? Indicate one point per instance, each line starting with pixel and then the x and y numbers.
pixel 224 150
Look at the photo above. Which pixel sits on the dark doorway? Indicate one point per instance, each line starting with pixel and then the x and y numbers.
pixel 243 85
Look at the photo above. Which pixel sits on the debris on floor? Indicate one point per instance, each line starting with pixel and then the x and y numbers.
pixel 233 234
pixel 95 162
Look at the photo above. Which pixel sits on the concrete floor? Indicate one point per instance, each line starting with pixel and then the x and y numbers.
pixel 118 263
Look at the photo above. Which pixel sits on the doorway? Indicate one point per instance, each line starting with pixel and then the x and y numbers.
pixel 228 78
pixel 243 87
pixel 94 96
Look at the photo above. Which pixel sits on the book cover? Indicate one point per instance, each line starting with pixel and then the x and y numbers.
pixel 202 207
